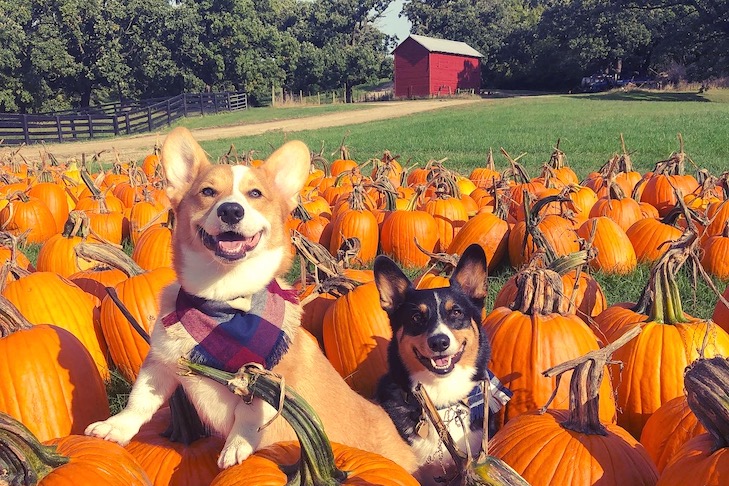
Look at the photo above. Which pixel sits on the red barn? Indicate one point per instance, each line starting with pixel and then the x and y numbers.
pixel 425 66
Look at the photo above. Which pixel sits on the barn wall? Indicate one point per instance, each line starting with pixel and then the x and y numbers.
pixel 449 72
pixel 411 70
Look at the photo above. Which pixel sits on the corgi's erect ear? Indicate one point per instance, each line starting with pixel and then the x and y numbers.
pixel 289 167
pixel 391 283
pixel 471 273
pixel 182 158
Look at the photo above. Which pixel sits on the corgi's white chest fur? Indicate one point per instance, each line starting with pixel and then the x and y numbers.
pixel 447 396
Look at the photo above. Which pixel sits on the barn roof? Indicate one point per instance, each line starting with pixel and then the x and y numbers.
pixel 445 46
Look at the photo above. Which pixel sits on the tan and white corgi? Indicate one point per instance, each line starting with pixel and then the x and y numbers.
pixel 231 246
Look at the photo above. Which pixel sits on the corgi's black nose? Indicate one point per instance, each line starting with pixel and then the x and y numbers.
pixel 230 212
pixel 439 343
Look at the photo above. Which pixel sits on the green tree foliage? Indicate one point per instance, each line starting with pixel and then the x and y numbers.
pixel 547 44
pixel 57 54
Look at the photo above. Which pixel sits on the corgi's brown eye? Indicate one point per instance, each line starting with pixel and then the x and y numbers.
pixel 208 192
pixel 456 312
pixel 255 193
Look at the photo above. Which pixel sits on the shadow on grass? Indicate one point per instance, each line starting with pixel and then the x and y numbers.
pixel 639 95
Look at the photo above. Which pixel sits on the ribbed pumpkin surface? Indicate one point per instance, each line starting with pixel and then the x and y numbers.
pixel 649 236
pixel 174 463
pixel 671 426
pixel 359 223
pixel 154 248
pixel 399 231
pixel 50 383
pixel 365 468
pixel 654 363
pixel 615 253
pixel 140 294
pixel 489 231
pixel 57 255
pixel 697 463
pixel 47 298
pixel 356 334
pixel 94 461
pixel 524 346
pixel 557 231
pixel 544 453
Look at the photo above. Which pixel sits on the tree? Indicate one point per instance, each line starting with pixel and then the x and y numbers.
pixel 13 44
pixel 341 46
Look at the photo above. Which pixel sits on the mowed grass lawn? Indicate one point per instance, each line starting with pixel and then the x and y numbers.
pixel 588 127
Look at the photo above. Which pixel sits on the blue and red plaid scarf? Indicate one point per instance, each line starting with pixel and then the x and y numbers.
pixel 229 337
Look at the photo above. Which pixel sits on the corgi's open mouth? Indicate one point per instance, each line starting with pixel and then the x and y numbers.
pixel 441 364
pixel 230 245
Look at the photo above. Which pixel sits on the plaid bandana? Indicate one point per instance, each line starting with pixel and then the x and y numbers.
pixel 229 337
pixel 498 394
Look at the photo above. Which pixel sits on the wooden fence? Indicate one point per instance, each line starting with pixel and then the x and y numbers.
pixel 113 118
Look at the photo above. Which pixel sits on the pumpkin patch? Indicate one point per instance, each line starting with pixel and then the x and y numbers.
pixel 82 309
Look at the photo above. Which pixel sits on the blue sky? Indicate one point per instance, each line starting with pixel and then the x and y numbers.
pixel 392 24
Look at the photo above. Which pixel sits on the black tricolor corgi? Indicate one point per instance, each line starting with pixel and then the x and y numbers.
pixel 437 341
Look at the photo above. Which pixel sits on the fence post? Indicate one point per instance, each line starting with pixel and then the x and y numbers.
pixel 202 108
pixel 25 129
pixel 116 123
pixel 149 118
pixel 227 100
pixel 58 127
pixel 169 115
pixel 215 102
pixel 91 126
pixel 126 122
pixel 273 95
pixel 184 104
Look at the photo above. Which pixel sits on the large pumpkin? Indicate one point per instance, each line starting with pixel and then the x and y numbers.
pixel 66 461
pixel 668 429
pixel 400 231
pixel 356 332
pixel 669 337
pixel 572 447
pixel 49 380
pixel 46 297
pixel 705 458
pixel 533 333
pixel 488 230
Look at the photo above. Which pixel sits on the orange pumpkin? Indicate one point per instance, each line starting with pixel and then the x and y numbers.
pixel 704 459
pixel 488 230
pixel 400 231
pixel 615 253
pixel 45 366
pixel 668 429
pixel 66 461
pixel 59 301
pixel 535 332
pixel 356 332
pixel 573 446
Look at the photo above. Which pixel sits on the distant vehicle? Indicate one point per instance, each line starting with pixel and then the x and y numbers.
pixel 605 82
pixel 597 83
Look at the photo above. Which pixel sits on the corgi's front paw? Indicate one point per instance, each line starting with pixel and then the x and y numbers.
pixel 236 450
pixel 113 430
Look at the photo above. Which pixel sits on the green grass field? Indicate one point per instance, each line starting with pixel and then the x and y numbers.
pixel 587 125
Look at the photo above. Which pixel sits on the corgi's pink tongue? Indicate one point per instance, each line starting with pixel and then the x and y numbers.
pixel 443 362
pixel 238 246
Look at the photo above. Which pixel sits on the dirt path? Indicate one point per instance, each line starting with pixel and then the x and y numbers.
pixel 137 146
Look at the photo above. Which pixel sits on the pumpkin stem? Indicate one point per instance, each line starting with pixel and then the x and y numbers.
pixel 11 319
pixel 24 461
pixel 316 466
pixel 705 382
pixel 584 416
pixel 540 291
pixel 109 255
pixel 661 299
